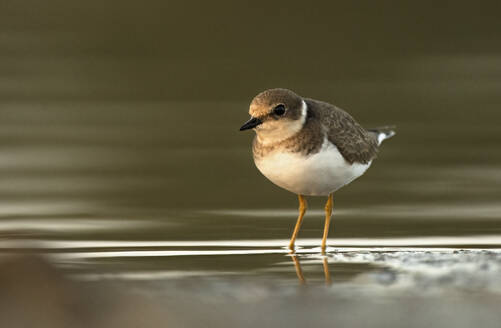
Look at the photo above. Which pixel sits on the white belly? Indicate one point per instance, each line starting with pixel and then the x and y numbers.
pixel 314 175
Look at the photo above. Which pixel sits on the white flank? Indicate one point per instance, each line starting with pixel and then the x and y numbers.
pixel 318 174
pixel 384 135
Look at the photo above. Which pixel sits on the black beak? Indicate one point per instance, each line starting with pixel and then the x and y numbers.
pixel 250 124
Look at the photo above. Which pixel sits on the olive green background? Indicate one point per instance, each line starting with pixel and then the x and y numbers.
pixel 129 111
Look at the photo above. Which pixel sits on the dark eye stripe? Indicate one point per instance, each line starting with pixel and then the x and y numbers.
pixel 279 110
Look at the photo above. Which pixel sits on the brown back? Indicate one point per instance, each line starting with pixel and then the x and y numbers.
pixel 352 140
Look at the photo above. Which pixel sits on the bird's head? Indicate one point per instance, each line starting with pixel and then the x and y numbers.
pixel 276 114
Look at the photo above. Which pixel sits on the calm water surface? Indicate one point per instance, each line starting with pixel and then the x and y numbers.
pixel 148 190
pixel 121 159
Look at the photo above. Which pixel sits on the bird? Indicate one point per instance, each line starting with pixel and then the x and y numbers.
pixel 309 147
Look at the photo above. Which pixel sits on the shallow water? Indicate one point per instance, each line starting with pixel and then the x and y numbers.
pixel 121 159
pixel 112 191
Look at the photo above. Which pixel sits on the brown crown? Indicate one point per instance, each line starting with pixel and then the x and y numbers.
pixel 263 103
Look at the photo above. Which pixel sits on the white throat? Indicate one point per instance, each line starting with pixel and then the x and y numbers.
pixel 276 131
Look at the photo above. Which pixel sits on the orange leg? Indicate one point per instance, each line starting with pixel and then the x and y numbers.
pixel 302 209
pixel 328 214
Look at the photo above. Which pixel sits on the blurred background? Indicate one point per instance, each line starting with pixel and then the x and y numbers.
pixel 119 132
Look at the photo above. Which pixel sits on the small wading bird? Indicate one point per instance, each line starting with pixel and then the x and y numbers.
pixel 309 147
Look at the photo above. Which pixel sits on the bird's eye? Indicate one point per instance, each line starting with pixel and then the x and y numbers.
pixel 279 110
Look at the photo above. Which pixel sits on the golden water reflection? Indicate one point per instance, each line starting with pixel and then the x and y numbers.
pixel 299 270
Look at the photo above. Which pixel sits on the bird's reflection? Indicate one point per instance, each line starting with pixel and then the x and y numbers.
pixel 299 271
pixel 327 274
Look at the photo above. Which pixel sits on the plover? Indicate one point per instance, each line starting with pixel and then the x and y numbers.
pixel 309 147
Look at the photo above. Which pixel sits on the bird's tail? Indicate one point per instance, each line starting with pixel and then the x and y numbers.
pixel 382 133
